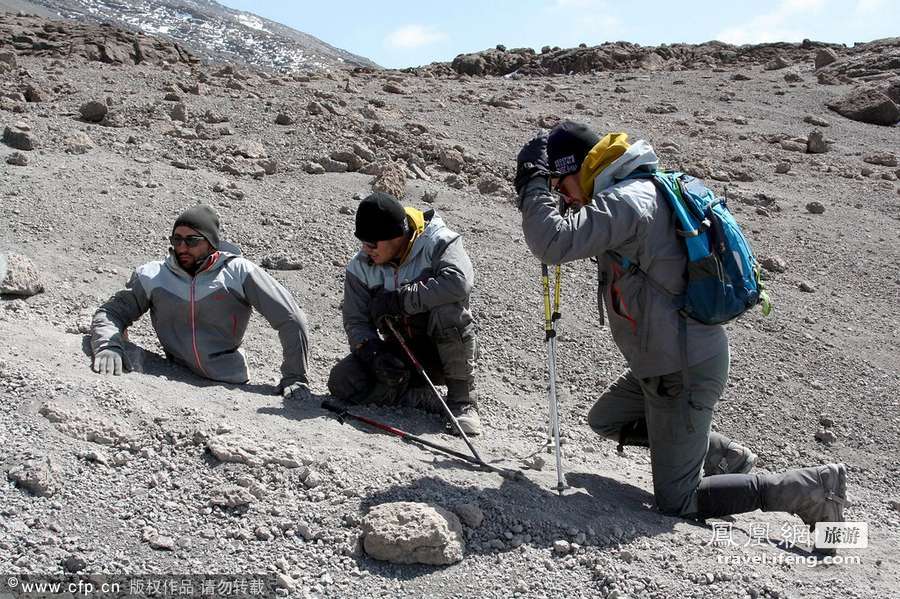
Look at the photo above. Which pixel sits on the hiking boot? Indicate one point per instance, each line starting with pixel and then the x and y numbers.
pixel 468 419
pixel 727 457
pixel 815 494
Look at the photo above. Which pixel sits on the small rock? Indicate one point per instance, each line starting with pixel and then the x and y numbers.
pixel 470 514
pixel 74 563
pixel 313 480
pixel 824 57
pixel 814 120
pixel 488 184
pixel 535 462
pixel 773 264
pixel 792 77
pixel 429 197
pixel 408 533
pixel 391 179
pixel 263 534
pixel 561 547
pixel 78 143
pixel 815 207
pixel 93 111
pixel 18 137
pixel 162 543
pixel 284 119
pixel 783 168
pixel 826 420
pixel 314 108
pixel 779 62
pixel 815 143
pixel 332 166
pixel 826 436
pixel 17 159
pixel 363 151
pixel 314 168
pixel 626 556
pixel 283 581
pixel 178 112
pixel 895 505
pixel 881 158
pixel 806 287
pixel 282 262
pixel 394 88
pixel 18 276
pixel 452 160
pixel 231 496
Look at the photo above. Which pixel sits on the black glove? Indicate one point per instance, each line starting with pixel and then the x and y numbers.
pixel 385 303
pixel 532 162
pixel 390 370
pixel 384 364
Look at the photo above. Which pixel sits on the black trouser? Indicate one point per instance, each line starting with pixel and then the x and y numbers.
pixel 446 350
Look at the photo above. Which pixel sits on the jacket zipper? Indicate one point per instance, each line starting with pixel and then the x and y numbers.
pixel 194 329
pixel 193 314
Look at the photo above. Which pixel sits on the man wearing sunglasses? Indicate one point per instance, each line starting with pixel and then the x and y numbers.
pixel 697 472
pixel 200 299
pixel 413 269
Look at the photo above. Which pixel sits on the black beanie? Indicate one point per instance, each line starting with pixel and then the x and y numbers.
pixel 204 220
pixel 380 216
pixel 567 146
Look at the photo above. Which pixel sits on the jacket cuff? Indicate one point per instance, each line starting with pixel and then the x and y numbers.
pixel 536 186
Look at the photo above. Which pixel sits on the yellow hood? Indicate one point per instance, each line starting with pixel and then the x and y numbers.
pixel 416 219
pixel 607 151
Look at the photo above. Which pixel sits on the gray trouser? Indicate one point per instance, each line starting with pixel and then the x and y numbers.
pixel 446 349
pixel 677 427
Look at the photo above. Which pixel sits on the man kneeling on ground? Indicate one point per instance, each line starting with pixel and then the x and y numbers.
pixel 411 269
pixel 200 299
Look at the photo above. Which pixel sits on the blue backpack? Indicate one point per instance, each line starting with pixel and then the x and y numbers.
pixel 723 276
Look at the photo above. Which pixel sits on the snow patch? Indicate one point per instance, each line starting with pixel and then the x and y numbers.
pixel 251 21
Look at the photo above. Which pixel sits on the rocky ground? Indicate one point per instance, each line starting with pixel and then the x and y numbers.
pixel 158 471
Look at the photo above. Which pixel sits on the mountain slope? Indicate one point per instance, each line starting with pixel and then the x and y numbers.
pixel 213 31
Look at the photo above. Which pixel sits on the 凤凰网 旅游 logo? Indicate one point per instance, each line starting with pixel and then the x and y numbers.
pixel 842 535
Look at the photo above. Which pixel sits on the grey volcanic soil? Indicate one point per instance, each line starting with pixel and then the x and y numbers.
pixel 130 452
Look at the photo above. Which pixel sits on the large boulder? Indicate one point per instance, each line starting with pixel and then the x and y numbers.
pixel 18 276
pixel 867 105
pixel 825 57
pixel 469 64
pixel 18 136
pixel 390 178
pixel 413 533
pixel 35 476
pixel 93 111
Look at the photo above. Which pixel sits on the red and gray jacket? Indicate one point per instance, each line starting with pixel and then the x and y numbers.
pixel 200 320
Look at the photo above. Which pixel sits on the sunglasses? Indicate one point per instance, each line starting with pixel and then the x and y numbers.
pixel 556 187
pixel 191 241
pixel 369 244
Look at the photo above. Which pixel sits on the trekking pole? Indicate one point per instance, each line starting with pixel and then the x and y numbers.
pixel 343 415
pixel 421 371
pixel 551 315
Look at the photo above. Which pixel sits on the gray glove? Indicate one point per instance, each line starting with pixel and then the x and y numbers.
pixel 297 392
pixel 108 361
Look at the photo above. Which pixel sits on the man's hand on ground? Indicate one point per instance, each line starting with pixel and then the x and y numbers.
pixel 297 392
pixel 108 361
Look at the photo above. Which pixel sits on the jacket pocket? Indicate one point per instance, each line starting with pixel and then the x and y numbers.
pixel 627 295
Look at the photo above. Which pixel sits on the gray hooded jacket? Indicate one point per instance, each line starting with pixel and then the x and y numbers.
pixel 627 218
pixel 200 321
pixel 436 272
